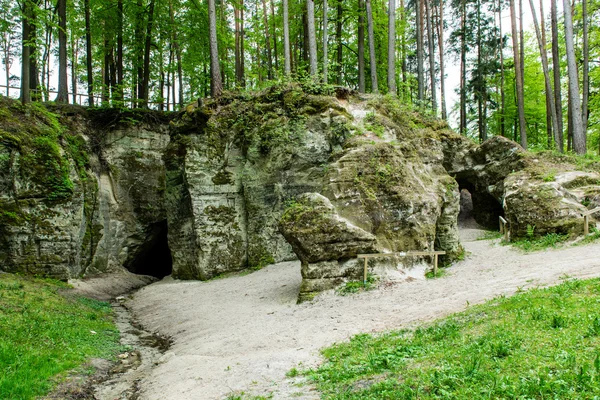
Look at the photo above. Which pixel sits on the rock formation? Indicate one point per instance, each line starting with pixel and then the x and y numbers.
pixel 250 180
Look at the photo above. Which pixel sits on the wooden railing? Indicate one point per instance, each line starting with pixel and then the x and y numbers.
pixel 433 254
pixel 504 228
pixel 586 220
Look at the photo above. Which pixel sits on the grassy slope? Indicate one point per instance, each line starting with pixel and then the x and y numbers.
pixel 44 332
pixel 541 344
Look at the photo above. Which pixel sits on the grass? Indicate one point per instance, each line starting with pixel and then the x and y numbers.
pixel 551 240
pixel 540 344
pixel 353 287
pixel 45 332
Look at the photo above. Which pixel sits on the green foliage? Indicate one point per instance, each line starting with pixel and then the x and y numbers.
pixel 538 344
pixel 45 332
pixel 530 244
pixel 353 287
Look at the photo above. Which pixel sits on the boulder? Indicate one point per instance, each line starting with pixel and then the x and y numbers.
pixel 316 233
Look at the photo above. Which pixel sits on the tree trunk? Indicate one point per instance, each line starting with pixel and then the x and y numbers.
pixel 586 66
pixel 325 42
pixel 361 46
pixel 463 68
pixel 148 42
pixel 579 135
pixel 138 67
pixel 63 86
pixel 440 25
pixel 420 51
pixel 312 37
pixel 177 51
pixel 273 25
pixel 480 88
pixel 431 43
pixel 34 82
pixel 548 85
pixel 242 46
pixel 391 78
pixel 25 54
pixel 238 34
pixel 216 83
pixel 518 75
pixel 340 54
pixel 502 94
pixel 74 58
pixel 521 42
pixel 286 40
pixel 120 79
pixel 268 41
pixel 558 139
pixel 373 60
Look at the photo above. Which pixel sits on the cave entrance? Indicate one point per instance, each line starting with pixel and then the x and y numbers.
pixel 154 256
pixel 478 205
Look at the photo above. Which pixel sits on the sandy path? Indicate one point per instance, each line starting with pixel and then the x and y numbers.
pixel 245 333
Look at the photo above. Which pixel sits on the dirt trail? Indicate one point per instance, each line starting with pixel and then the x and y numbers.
pixel 244 333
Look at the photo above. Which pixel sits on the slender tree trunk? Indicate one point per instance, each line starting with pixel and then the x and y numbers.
pixel 480 88
pixel 25 54
pixel 431 43
pixel 34 82
pixel 550 108
pixel 403 52
pixel 463 69
pixel 586 66
pixel 391 75
pixel 63 86
pixel 148 42
pixel 558 139
pixel 88 54
pixel 274 26
pixel 361 46
pixel 502 93
pixel 420 51
pixel 338 34
pixel 236 17
pixel 518 75
pixel 286 40
pixel 120 77
pixel 521 42
pixel 242 45
pixel 325 42
pixel 579 135
pixel 440 25
pixel 312 37
pixel 216 83
pixel 74 57
pixel 138 66
pixel 548 85
pixel 373 59
pixel 268 41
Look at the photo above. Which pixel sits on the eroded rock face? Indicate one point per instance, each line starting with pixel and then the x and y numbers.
pixel 317 233
pixel 551 206
pixel 68 211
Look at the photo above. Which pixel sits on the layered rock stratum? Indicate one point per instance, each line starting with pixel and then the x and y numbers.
pixel 253 179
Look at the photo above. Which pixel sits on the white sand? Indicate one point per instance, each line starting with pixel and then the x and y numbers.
pixel 244 333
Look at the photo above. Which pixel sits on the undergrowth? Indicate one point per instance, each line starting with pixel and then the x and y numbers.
pixel 45 331
pixel 538 344
pixel 352 287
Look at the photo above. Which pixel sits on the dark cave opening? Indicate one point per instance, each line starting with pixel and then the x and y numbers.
pixel 154 256
pixel 478 205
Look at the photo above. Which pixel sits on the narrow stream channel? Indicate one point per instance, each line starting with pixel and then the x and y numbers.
pixel 144 352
